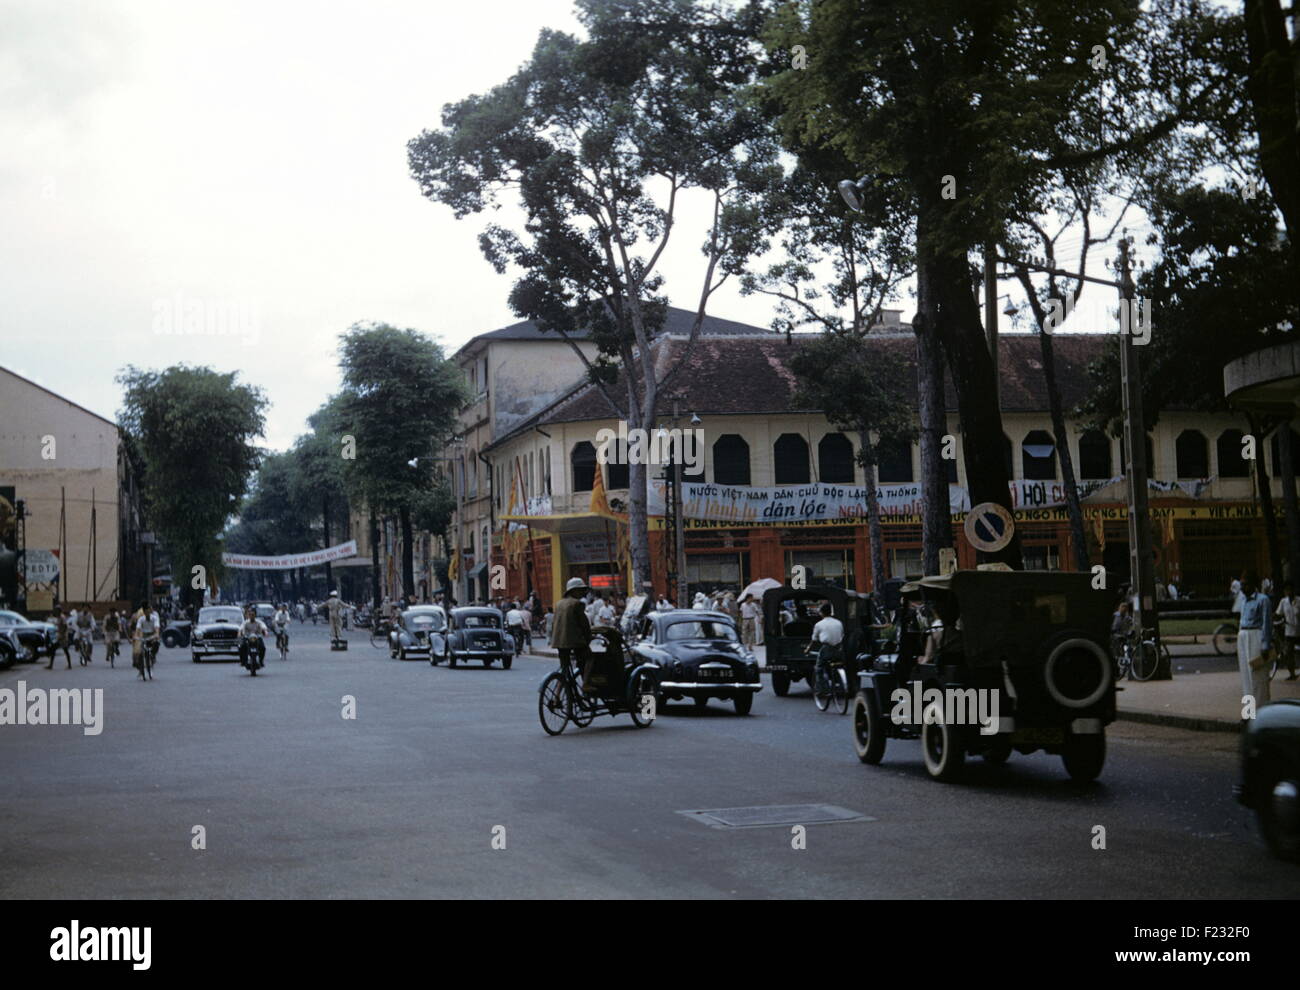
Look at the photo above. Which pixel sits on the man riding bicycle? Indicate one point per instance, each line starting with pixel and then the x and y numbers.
pixel 827 635
pixel 85 634
pixel 252 643
pixel 146 630
pixel 280 623
pixel 112 633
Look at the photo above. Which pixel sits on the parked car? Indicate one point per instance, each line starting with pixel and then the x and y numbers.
pixel 216 632
pixel 1270 775
pixel 478 633
pixel 1027 649
pixel 698 655
pixel 176 633
pixel 420 630
pixel 12 648
pixel 37 637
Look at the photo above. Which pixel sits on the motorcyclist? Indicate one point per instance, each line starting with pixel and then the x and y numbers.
pixel 280 621
pixel 252 640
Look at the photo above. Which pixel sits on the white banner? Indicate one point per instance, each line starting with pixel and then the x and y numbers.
pixel 289 561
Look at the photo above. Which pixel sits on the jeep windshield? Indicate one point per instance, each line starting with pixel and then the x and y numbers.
pixel 212 615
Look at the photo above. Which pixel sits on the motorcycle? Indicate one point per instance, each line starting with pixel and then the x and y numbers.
pixel 252 653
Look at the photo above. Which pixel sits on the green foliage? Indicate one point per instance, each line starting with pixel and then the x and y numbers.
pixel 192 430
pixel 1220 290
pixel 860 388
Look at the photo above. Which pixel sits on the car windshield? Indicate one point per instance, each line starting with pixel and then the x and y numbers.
pixel 207 615
pixel 481 621
pixel 701 629
pixel 424 617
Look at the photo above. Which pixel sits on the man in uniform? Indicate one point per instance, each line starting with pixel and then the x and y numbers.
pixel 572 634
pixel 335 608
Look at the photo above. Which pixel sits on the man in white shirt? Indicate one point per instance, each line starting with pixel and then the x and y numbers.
pixel 827 636
pixel 605 614
pixel 515 625
pixel 146 627
pixel 280 621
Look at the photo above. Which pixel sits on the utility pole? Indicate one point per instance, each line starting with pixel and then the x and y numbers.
pixel 679 534
pixel 1141 552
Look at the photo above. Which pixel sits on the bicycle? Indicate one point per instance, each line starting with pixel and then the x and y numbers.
pixel 1139 661
pixel 148 653
pixel 84 648
pixel 379 634
pixel 1224 639
pixel 282 643
pixel 112 650
pixel 831 687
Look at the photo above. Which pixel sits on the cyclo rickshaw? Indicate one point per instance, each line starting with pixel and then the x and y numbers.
pixel 1027 668
pixel 562 699
pixel 789 615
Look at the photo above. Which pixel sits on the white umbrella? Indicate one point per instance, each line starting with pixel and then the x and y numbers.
pixel 756 588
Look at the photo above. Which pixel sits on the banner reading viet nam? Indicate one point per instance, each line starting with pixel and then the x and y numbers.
pixel 289 561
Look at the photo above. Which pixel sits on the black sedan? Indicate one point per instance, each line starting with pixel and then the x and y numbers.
pixel 699 656
pixel 1270 775
pixel 30 639
pixel 216 633
pixel 478 633
pixel 421 631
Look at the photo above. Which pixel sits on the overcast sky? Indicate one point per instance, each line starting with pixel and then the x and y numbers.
pixel 250 156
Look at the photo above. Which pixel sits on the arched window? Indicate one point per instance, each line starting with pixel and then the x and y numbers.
pixel 791 459
pixel 583 463
pixel 1192 454
pixel 1094 456
pixel 1007 458
pixel 1228 449
pixel 894 462
pixel 1038 456
pixel 835 459
pixel 1275 448
pixel 731 460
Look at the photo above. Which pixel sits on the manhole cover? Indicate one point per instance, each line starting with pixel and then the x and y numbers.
pixel 766 816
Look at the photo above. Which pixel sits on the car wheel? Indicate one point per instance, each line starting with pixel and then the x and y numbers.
pixel 640 687
pixel 7 657
pixel 943 747
pixel 744 702
pixel 701 703
pixel 1279 815
pixel 170 640
pixel 451 659
pixel 1084 756
pixel 487 662
pixel 781 683
pixel 997 753
pixel 194 657
pixel 868 729
pixel 506 662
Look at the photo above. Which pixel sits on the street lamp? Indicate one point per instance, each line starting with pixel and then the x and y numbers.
pixel 854 192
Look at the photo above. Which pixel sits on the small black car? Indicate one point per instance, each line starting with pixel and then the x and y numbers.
pixel 478 633
pixel 216 633
pixel 1270 775
pixel 420 629
pixel 29 639
pixel 698 655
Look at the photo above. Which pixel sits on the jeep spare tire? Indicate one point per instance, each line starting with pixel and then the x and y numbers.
pixel 1077 673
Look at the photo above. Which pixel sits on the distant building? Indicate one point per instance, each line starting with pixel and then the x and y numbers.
pixel 68 467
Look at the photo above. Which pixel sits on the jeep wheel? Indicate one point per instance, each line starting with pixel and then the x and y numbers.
pixel 1279 815
pixel 171 639
pixel 943 746
pixel 1084 756
pixel 868 729
pixel 997 753
pixel 781 683
pixel 744 702
pixel 506 662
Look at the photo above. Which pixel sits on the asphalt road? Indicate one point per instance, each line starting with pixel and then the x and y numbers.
pixel 405 799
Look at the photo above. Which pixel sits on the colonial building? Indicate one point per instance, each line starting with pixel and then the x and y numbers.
pixel 81 517
pixel 778 486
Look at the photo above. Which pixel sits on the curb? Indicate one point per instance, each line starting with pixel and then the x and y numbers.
pixel 1190 722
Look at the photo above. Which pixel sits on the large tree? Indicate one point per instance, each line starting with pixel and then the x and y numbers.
pixel 398 405
pixel 964 115
pixel 193 429
pixel 600 138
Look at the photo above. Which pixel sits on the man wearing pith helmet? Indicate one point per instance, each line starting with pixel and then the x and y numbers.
pixel 572 634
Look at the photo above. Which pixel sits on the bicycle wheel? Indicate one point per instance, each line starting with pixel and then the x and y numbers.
pixel 379 638
pixel 1225 639
pixel 821 692
pixel 840 691
pixel 553 704
pixel 1145 662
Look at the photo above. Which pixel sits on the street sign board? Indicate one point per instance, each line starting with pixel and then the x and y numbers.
pixel 989 527
pixel 42 566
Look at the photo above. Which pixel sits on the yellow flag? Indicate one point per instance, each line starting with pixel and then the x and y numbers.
pixel 599 503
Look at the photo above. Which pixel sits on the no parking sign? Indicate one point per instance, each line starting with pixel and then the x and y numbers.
pixel 989 527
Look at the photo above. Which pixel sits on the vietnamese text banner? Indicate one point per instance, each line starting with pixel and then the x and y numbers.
pixel 289 561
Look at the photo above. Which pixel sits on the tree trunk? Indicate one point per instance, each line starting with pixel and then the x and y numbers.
pixel 408 552
pixel 374 558
pixel 1072 507
pixel 875 537
pixel 971 366
pixel 936 508
pixel 1266 500
pixel 1286 471
pixel 325 521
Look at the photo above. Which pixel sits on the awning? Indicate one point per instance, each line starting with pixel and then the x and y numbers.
pixel 476 571
pixel 572 522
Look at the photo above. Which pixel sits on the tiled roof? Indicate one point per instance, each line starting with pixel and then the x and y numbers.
pixel 750 375
pixel 678 321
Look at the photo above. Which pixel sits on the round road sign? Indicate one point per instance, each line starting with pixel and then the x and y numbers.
pixel 989 527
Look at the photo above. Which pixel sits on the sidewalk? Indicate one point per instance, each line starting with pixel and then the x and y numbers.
pixel 1206 702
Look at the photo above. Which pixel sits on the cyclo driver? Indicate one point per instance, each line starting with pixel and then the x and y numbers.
pixel 251 641
pixel 572 639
